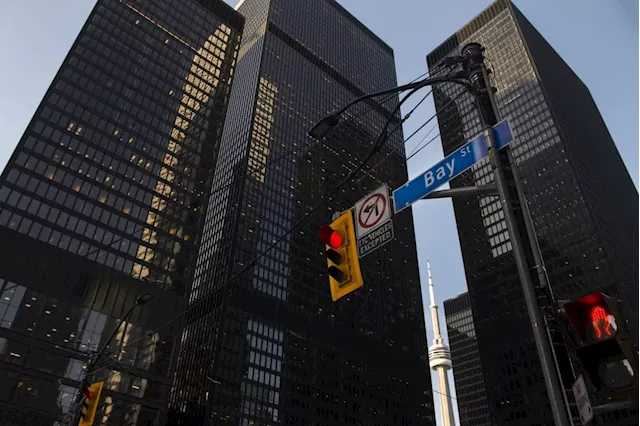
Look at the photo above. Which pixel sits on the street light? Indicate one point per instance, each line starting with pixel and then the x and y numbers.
pixel 326 124
pixel 143 299
pixel 475 79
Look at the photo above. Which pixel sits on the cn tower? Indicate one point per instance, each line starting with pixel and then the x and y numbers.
pixel 440 359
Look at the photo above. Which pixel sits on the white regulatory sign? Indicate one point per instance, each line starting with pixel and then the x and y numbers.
pixel 582 400
pixel 376 239
pixel 372 211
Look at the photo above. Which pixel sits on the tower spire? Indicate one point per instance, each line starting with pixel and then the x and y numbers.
pixel 440 358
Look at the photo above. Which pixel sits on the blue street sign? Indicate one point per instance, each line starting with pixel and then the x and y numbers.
pixel 451 166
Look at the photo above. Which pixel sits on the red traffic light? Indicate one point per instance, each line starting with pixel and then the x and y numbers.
pixel 87 393
pixel 330 237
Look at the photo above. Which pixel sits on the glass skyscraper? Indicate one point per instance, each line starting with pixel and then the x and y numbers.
pixel 471 394
pixel 263 343
pixel 583 205
pixel 103 199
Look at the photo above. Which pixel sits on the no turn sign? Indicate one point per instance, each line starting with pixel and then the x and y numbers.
pixel 372 211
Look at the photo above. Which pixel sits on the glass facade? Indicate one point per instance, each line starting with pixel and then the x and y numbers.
pixel 271 345
pixel 582 202
pixel 103 199
pixel 471 394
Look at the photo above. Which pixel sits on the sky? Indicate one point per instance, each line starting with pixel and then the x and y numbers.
pixel 598 39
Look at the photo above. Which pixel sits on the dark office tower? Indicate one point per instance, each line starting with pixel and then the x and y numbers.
pixel 471 394
pixel 103 199
pixel 582 201
pixel 264 344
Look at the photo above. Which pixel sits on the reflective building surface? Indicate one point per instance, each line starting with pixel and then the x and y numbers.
pixel 582 201
pixel 471 394
pixel 103 199
pixel 264 344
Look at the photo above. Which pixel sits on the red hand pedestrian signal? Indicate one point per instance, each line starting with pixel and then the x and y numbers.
pixel 605 345
pixel 601 322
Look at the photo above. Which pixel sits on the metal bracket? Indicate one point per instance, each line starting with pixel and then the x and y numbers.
pixel 618 405
pixel 465 191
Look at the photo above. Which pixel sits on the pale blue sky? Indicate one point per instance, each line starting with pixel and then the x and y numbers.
pixel 597 38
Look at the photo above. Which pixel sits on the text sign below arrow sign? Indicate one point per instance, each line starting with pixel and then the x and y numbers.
pixel 451 166
pixel 372 211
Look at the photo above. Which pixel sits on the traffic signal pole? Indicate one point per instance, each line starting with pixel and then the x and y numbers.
pixel 475 79
pixel 478 76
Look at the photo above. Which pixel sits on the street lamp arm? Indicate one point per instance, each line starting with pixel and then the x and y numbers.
pixel 326 124
pixel 140 300
pixel 416 85
pixel 115 331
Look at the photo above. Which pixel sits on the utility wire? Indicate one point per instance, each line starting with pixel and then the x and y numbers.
pixel 414 152
pixel 381 139
pixel 293 151
pixel 272 274
pixel 398 127
pixel 243 177
pixel 272 162
pixel 206 296
pixel 373 150
pixel 415 148
pixel 444 394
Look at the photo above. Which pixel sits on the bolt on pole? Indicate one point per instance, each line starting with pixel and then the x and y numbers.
pixel 478 76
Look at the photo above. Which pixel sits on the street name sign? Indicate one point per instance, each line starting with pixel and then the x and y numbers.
pixel 375 239
pixel 372 211
pixel 451 166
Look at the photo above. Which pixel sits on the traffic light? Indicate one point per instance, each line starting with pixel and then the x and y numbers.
pixel 90 403
pixel 342 256
pixel 605 347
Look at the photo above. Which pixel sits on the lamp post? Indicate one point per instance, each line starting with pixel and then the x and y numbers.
pixel 474 78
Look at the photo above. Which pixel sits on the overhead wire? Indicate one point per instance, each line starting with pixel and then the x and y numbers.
pixel 326 198
pixel 398 127
pixel 293 151
pixel 243 177
pixel 259 287
pixel 414 152
pixel 373 150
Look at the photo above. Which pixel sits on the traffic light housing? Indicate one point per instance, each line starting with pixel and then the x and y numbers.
pixel 90 403
pixel 605 347
pixel 342 256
